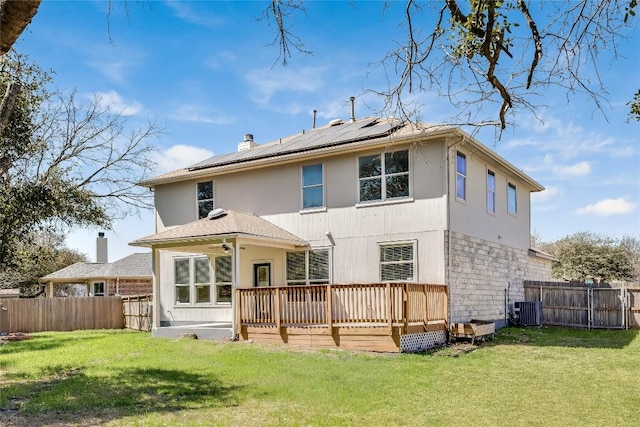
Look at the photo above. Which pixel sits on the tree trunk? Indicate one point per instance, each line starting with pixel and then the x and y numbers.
pixel 15 15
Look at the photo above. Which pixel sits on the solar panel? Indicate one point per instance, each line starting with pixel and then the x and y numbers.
pixel 338 134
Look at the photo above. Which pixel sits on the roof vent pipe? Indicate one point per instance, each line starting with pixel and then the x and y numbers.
pixel 313 126
pixel 353 109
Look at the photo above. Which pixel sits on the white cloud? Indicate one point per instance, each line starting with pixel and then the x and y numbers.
pixel 187 12
pixel 268 82
pixel 113 101
pixel 200 114
pixel 548 194
pixel 608 207
pixel 578 169
pixel 180 156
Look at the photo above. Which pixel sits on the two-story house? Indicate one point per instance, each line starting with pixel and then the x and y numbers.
pixel 366 201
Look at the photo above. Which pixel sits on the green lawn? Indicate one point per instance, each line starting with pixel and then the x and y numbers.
pixel 547 376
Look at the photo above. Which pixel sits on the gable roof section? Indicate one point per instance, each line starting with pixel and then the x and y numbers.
pixel 232 224
pixel 136 265
pixel 342 137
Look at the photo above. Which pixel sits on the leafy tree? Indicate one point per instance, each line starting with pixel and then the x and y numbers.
pixel 634 112
pixel 589 255
pixel 64 163
pixel 41 254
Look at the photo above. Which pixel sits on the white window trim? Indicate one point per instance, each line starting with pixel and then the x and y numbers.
pixel 213 199
pixel 324 188
pixel 489 190
pixel 306 265
pixel 192 284
pixel 466 166
pixel 383 189
pixel 93 288
pixel 515 190
pixel 414 243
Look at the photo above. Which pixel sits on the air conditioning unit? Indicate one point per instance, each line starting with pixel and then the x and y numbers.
pixel 529 313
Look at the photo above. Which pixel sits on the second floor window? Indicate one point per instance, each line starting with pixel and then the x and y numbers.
pixel 512 199
pixel 384 176
pixel 205 198
pixel 312 187
pixel 491 192
pixel 461 176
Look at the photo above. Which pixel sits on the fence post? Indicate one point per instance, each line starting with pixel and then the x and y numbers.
pixel 589 308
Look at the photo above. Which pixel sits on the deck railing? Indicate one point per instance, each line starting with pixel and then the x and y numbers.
pixel 392 304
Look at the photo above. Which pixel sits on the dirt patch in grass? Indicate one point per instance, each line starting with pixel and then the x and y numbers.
pixel 14 336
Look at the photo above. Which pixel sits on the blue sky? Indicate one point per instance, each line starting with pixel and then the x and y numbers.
pixel 206 71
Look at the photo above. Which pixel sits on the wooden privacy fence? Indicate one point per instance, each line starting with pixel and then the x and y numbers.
pixel 395 304
pixel 137 312
pixel 570 304
pixel 61 314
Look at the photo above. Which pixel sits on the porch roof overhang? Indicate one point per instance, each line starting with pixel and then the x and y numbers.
pixel 246 228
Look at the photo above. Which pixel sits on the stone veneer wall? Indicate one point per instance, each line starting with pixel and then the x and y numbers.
pixel 482 274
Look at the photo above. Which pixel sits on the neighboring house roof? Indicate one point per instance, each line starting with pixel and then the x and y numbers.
pixel 230 224
pixel 358 134
pixel 136 265
pixel 540 254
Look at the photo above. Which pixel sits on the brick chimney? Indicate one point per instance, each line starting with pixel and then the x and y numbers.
pixel 102 254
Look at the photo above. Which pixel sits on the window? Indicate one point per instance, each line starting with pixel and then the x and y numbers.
pixel 205 198
pixel 98 289
pixel 383 177
pixel 193 280
pixel 308 268
pixel 223 278
pixel 512 201
pixel 312 187
pixel 181 278
pixel 491 192
pixel 397 262
pixel 461 176
pixel 202 279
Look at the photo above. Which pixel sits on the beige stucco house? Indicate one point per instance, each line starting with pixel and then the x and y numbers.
pixel 361 201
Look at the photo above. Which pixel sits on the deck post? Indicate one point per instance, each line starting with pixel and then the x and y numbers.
pixel 405 306
pixel 278 317
pixel 426 305
pixel 389 309
pixel 237 313
pixel 329 309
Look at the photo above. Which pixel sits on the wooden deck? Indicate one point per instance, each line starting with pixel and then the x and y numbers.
pixel 356 316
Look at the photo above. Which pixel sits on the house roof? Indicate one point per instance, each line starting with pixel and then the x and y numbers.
pixel 540 254
pixel 136 265
pixel 336 137
pixel 229 224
